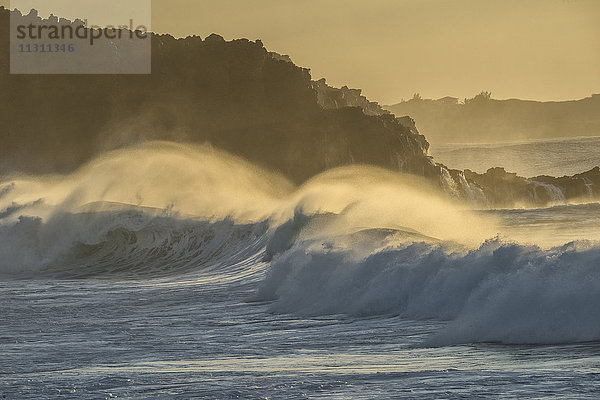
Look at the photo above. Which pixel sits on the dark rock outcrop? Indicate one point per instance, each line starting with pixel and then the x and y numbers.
pixel 504 189
pixel 235 95
pixel 582 186
pixel 243 99
pixel 331 98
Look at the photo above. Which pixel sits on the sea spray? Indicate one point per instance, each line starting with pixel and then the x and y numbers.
pixel 360 241
pixel 499 292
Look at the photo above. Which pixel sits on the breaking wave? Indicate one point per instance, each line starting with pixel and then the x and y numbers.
pixel 498 292
pixel 358 241
pixel 126 244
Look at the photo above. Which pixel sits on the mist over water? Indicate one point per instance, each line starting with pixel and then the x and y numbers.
pixel 185 179
pixel 164 183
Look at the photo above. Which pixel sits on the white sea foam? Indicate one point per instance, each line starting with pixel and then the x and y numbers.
pixel 357 240
pixel 497 292
pixel 122 243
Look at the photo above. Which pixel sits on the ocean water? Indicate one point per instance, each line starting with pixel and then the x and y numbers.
pixel 210 278
pixel 554 157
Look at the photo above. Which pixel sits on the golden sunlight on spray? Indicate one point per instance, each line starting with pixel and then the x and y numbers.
pixel 199 181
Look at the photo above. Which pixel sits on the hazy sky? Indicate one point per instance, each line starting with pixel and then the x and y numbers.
pixel 533 49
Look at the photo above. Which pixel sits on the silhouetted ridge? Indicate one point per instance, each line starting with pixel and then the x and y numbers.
pixel 235 95
pixel 484 119
pixel 243 99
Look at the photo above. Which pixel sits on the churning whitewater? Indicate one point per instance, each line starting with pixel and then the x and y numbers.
pixel 356 241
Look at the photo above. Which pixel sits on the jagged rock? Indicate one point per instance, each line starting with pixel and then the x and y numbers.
pixel 332 98
pixel 504 189
pixel 233 94
pixel 245 100
pixel 582 186
pixel 280 57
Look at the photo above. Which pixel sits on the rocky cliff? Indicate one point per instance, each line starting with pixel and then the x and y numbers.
pixel 233 94
pixel 241 98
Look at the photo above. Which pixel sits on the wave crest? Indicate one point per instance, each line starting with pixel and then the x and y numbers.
pixel 498 292
pixel 129 243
